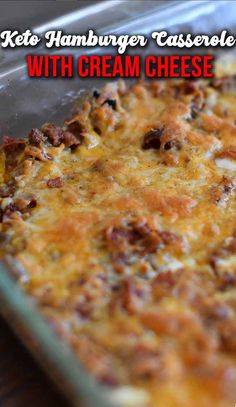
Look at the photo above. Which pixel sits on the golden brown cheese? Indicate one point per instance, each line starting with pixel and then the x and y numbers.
pixel 125 222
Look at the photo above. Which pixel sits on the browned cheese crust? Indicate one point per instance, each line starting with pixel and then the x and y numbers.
pixel 125 222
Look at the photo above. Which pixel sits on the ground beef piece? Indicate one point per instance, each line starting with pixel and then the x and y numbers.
pixel 55 182
pixel 70 140
pixel 53 132
pixel 36 137
pixel 229 153
pixel 57 135
pixel 132 239
pixel 152 139
pixel 11 145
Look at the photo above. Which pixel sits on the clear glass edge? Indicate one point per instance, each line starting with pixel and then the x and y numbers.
pixel 50 351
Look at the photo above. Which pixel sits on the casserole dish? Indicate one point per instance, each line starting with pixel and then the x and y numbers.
pixel 26 319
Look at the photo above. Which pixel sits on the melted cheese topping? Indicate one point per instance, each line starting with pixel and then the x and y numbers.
pixel 127 237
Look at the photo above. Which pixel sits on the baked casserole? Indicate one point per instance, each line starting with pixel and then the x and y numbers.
pixel 124 223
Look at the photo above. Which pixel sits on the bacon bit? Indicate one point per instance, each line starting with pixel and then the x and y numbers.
pixel 70 140
pixel 36 137
pixel 134 294
pixel 137 238
pixel 10 144
pixel 76 128
pixel 223 191
pixel 152 139
pixel 53 132
pixel 37 153
pixel 126 240
pixel 231 154
pixel 55 182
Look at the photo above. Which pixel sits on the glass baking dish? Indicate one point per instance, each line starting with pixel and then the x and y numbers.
pixel 27 103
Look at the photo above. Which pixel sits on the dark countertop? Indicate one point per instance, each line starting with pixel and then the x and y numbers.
pixel 22 383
